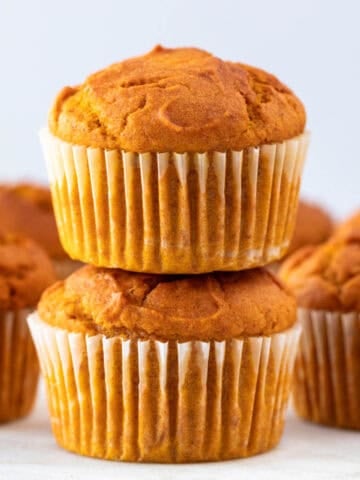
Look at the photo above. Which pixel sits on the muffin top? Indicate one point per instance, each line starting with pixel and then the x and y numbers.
pixel 349 228
pixel 313 226
pixel 180 100
pixel 214 306
pixel 326 277
pixel 25 272
pixel 26 210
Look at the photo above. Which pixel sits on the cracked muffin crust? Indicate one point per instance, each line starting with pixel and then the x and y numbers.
pixel 181 100
pixel 326 277
pixel 216 306
pixel 25 272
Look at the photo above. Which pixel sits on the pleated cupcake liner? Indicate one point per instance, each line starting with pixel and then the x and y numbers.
pixel 175 212
pixel 327 373
pixel 19 368
pixel 153 401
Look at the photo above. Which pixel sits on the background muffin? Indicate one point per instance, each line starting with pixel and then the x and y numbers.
pixel 25 271
pixel 26 210
pixel 176 162
pixel 313 225
pixel 166 368
pixel 349 228
pixel 326 282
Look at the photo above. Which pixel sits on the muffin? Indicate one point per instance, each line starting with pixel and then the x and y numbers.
pixel 313 226
pixel 26 210
pixel 176 162
pixel 326 282
pixel 143 367
pixel 25 272
pixel 349 227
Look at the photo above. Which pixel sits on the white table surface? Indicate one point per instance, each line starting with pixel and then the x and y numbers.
pixel 28 451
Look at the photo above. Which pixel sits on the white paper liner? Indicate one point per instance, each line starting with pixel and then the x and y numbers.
pixel 19 369
pixel 172 212
pixel 155 401
pixel 327 374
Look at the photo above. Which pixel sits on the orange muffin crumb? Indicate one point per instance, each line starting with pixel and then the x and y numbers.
pixel 216 306
pixel 26 210
pixel 25 272
pixel 349 228
pixel 181 99
pixel 326 283
pixel 326 277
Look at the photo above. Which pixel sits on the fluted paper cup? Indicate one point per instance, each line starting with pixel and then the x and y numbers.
pixel 175 212
pixel 19 368
pixel 153 401
pixel 327 373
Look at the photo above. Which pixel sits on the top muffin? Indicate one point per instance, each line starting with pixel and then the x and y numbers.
pixel 177 100
pixel 176 162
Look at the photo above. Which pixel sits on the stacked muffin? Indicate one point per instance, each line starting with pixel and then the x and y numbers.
pixel 171 164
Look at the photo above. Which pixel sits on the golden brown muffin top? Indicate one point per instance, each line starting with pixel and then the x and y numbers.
pixel 181 99
pixel 26 210
pixel 313 226
pixel 350 227
pixel 25 272
pixel 326 277
pixel 214 306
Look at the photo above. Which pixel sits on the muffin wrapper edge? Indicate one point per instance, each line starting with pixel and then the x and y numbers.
pixel 175 212
pixel 147 400
pixel 19 367
pixel 327 372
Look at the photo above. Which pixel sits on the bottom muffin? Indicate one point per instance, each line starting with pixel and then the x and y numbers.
pixel 326 281
pixel 25 271
pixel 166 369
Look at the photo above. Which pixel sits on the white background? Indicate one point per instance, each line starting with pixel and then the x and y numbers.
pixel 312 45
